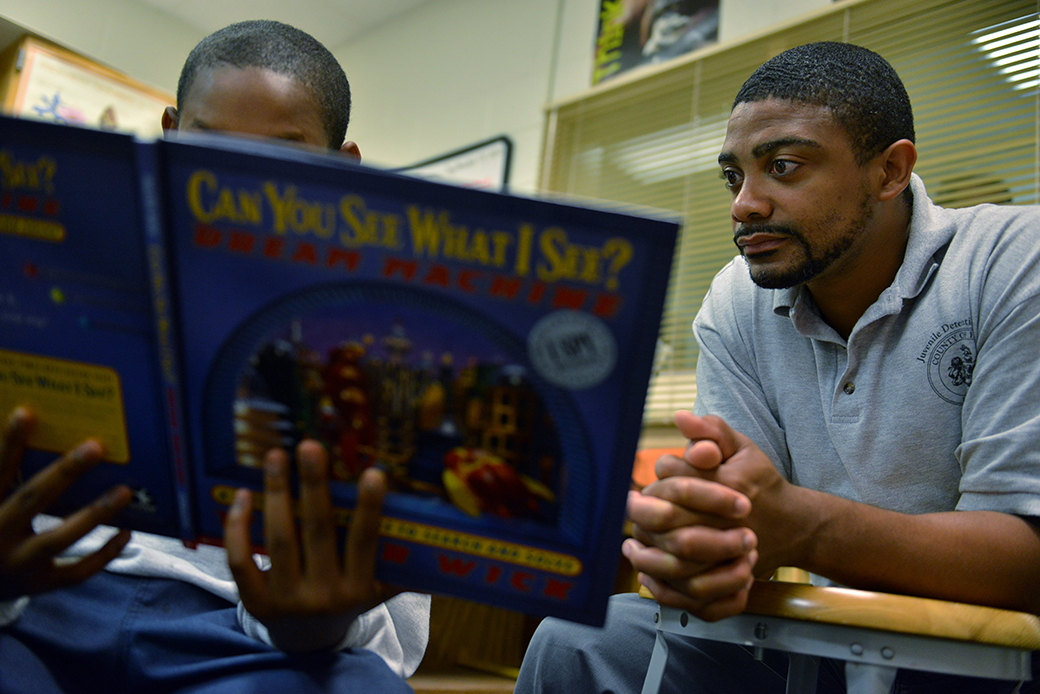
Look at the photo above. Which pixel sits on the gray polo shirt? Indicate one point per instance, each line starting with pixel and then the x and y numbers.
pixel 932 404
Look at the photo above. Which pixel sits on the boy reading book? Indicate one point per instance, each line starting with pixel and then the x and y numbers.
pixel 164 617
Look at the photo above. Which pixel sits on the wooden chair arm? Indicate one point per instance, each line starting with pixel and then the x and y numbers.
pixel 896 613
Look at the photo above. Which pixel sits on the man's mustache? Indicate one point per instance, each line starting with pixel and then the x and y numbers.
pixel 772 229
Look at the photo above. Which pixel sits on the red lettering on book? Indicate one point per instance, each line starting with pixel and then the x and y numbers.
pixel 453 565
pixel 406 268
pixel 521 580
pixel 27 203
pixel 565 297
pixel 171 401
pixel 207 236
pixel 465 280
pixel 305 253
pixel 349 259
pixel 555 588
pixel 536 293
pixel 505 287
pixel 274 247
pixel 493 574
pixel 241 241
pixel 394 553
pixel 607 305
pixel 438 276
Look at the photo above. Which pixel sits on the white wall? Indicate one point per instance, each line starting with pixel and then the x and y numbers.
pixel 443 76
pixel 742 17
pixel 455 72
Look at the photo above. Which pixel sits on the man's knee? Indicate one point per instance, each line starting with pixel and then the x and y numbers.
pixel 565 657
pixel 629 625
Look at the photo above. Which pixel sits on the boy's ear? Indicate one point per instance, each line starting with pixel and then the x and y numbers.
pixel 169 118
pixel 351 150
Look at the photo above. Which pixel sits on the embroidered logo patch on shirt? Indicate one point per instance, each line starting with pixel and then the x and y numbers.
pixel 950 359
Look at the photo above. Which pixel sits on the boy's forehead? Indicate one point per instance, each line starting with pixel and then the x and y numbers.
pixel 252 101
pixel 224 78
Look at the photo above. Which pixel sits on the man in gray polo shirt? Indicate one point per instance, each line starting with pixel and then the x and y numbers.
pixel 867 394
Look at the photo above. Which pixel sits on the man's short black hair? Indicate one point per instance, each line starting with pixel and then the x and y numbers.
pixel 861 89
pixel 283 49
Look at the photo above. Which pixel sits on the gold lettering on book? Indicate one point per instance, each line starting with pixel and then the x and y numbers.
pixel 444 538
pixel 280 221
pixel 72 400
pixel 35 176
pixel 39 229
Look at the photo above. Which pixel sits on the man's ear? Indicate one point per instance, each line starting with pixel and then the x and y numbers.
pixel 351 150
pixel 897 162
pixel 169 118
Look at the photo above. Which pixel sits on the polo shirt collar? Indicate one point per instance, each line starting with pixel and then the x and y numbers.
pixel 930 234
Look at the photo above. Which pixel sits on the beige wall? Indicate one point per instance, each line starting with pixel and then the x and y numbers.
pixel 455 72
pixel 742 17
pixel 446 75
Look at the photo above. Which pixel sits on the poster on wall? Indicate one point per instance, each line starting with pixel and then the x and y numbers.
pixel 631 33
pixel 54 84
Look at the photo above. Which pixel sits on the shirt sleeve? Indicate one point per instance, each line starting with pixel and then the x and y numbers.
pixel 1000 418
pixel 397 630
pixel 11 610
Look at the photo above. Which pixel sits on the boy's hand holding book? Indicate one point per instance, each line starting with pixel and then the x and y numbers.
pixel 28 561
pixel 310 595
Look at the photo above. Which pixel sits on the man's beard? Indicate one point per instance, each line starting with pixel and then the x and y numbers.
pixel 810 265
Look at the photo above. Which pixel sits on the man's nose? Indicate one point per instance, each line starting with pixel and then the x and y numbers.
pixel 750 203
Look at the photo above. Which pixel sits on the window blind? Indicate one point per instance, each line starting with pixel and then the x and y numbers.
pixel 652 137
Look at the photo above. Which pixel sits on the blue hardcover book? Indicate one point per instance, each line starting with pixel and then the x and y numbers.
pixel 196 301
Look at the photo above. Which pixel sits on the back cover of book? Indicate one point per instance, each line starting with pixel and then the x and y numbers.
pixel 76 312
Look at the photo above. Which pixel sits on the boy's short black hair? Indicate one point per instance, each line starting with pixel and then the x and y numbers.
pixel 861 89
pixel 283 49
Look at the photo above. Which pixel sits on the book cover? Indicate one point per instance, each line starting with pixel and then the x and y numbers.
pixel 490 352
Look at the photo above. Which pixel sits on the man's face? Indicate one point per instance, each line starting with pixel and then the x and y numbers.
pixel 801 203
pixel 255 102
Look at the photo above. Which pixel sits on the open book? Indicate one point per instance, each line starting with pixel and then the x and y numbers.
pixel 195 302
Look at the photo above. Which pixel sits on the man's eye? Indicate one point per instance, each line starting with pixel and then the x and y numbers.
pixel 782 167
pixel 732 178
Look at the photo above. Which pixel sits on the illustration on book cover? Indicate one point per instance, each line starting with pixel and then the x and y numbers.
pixel 442 408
